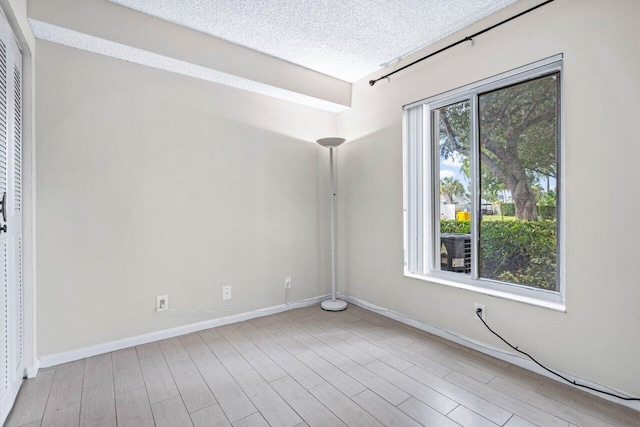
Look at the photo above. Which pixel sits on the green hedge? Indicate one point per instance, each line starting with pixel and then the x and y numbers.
pixel 457 227
pixel 508 209
pixel 547 212
pixel 517 251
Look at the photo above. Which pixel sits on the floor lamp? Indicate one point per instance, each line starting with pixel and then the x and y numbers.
pixel 332 304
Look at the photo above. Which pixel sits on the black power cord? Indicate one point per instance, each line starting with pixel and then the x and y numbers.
pixel 478 313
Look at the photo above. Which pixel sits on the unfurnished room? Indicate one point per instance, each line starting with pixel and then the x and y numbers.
pixel 319 213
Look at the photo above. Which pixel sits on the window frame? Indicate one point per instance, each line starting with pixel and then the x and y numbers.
pixel 420 207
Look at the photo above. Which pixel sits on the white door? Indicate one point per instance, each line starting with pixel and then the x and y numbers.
pixel 11 288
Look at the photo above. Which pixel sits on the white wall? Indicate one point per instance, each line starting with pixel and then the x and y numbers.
pixel 598 337
pixel 151 183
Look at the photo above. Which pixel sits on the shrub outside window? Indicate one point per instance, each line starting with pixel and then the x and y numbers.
pixel 482 185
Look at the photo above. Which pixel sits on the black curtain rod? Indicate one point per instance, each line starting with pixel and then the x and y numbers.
pixel 468 38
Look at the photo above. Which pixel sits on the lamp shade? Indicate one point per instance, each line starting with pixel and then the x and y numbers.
pixel 330 142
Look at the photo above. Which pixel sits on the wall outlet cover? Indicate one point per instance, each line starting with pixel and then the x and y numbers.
pixel 226 293
pixel 162 303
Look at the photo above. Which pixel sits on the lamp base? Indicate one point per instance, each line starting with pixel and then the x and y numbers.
pixel 337 305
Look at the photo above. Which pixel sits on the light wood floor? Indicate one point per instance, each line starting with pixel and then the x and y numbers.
pixel 305 367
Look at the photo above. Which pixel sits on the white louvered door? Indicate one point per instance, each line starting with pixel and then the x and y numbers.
pixel 11 286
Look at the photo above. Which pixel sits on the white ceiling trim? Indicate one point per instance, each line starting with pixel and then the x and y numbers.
pixel 75 39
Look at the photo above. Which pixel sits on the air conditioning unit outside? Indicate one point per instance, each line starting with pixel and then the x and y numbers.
pixel 455 253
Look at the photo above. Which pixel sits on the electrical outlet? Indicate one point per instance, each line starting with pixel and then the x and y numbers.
pixel 226 293
pixel 162 303
pixel 287 282
pixel 483 312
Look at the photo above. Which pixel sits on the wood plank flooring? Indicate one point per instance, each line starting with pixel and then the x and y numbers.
pixel 305 367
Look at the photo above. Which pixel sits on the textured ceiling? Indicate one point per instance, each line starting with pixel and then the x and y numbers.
pixel 346 39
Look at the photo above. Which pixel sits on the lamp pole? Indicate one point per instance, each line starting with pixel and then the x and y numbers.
pixel 333 304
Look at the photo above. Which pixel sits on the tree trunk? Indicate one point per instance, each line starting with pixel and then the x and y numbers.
pixel 525 201
pixel 520 187
pixel 514 176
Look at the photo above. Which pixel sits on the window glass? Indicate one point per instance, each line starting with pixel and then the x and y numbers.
pixel 518 135
pixel 453 192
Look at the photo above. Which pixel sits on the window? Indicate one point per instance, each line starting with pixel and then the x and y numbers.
pixel 482 186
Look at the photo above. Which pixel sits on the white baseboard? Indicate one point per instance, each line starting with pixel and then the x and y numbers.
pixel 32 371
pixel 94 350
pixel 491 351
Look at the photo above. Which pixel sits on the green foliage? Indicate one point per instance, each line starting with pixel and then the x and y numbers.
pixel 450 188
pixel 490 185
pixel 454 127
pixel 519 252
pixel 548 198
pixel 457 227
pixel 521 119
pixel 547 212
pixel 508 209
pixel 517 135
pixel 522 252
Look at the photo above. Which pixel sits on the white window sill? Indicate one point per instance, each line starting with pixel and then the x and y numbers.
pixel 556 306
